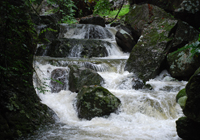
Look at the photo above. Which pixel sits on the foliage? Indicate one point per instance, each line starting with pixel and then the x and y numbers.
pixel 14 32
pixel 36 1
pixel 65 9
pixel 195 48
pixel 19 114
pixel 102 6
pixel 112 14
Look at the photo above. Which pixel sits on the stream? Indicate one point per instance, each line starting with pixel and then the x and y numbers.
pixel 144 114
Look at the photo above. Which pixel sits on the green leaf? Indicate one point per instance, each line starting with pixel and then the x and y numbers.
pixel 57 81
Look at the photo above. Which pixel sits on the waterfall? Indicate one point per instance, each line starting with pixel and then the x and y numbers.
pixel 143 115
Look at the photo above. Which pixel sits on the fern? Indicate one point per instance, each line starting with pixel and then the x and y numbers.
pixel 195 48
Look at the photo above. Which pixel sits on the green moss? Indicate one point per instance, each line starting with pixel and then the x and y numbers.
pixel 101 101
pixel 180 94
pixel 182 101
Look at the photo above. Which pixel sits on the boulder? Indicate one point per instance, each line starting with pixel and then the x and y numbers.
pixel 182 64
pixel 183 34
pixel 168 5
pixel 75 48
pixel 97 20
pixel 192 105
pixel 137 84
pixel 151 49
pixel 96 101
pixel 80 76
pixel 140 16
pixel 186 10
pixel 127 28
pixel 189 11
pixel 188 129
pixel 124 40
pixel 59 80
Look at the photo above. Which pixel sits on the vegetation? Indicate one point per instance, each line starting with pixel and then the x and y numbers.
pixel 21 111
pixel 111 14
pixel 65 9
pixel 195 48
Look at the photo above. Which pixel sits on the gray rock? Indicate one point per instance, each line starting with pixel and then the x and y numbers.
pixel 140 16
pixel 182 64
pixel 183 34
pixel 186 10
pixel 148 54
pixel 124 40
pixel 95 101
pixel 80 76
pixel 59 80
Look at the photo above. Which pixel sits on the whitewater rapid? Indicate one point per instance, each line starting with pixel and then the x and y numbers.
pixel 143 115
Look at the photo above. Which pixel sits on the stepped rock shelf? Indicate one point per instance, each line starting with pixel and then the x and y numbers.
pixel 100 92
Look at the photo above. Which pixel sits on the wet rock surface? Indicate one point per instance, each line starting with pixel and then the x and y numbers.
pixel 151 49
pixel 183 34
pixel 192 106
pixel 124 40
pixel 140 16
pixel 186 10
pixel 187 127
pixel 80 76
pixel 84 31
pixel 182 64
pixel 59 80
pixel 75 48
pixel 95 101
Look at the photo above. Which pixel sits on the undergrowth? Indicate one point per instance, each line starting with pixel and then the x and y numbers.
pixel 112 14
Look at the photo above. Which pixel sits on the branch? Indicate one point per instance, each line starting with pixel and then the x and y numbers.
pixel 118 11
pixel 34 9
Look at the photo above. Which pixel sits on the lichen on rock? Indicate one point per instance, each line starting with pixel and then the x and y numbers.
pixel 96 101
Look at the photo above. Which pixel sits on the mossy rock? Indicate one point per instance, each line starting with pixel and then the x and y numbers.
pixel 151 49
pixel 182 64
pixel 180 94
pixel 185 10
pixel 188 129
pixel 140 16
pixel 81 76
pixel 182 101
pixel 96 101
pixel 192 105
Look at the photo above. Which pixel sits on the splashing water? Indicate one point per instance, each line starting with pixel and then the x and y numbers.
pixel 143 115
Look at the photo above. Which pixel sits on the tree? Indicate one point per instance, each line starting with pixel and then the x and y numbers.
pixel 21 111
pixel 66 8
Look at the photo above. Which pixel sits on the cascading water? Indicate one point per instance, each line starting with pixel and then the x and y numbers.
pixel 143 115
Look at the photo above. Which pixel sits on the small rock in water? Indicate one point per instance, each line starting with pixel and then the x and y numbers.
pixel 58 80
